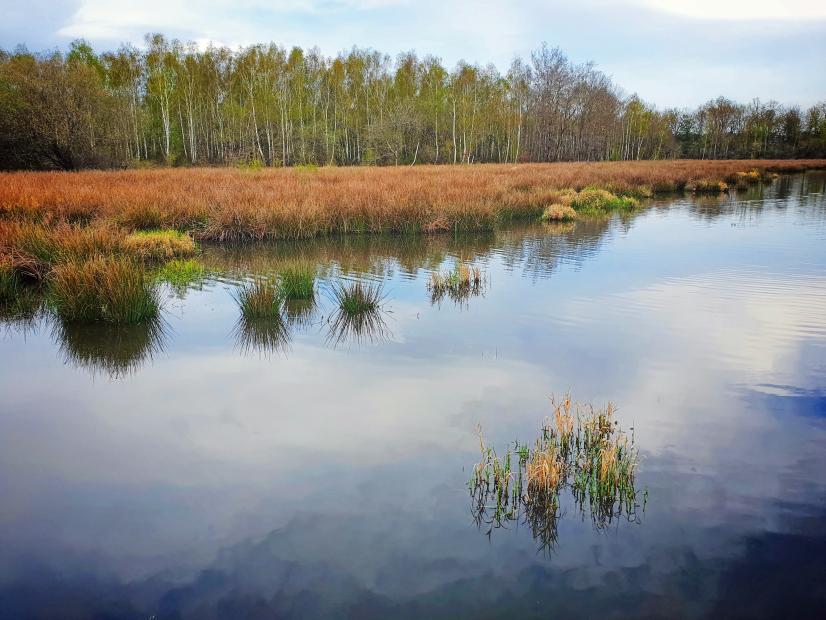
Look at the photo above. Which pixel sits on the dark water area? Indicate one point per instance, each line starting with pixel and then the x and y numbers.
pixel 195 469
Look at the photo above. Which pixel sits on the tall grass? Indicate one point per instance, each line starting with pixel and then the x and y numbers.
pixel 224 204
pixel 110 289
pixel 181 274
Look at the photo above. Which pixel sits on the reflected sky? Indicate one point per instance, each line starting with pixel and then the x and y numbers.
pixel 332 480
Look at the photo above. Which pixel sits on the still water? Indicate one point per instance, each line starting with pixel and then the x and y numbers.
pixel 188 471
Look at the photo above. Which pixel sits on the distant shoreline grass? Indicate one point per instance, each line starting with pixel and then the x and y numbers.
pixel 224 204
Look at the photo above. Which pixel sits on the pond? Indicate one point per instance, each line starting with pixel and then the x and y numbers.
pixel 204 468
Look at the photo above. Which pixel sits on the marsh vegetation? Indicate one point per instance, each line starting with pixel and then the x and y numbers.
pixel 580 449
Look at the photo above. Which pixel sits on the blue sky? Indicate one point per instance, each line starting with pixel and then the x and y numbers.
pixel 669 52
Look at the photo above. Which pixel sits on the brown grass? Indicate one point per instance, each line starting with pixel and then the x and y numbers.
pixel 220 203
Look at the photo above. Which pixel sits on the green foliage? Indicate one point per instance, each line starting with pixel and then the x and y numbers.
pixel 181 273
pixel 357 297
pixel 298 281
pixel 592 199
pixel 260 299
pixel 110 289
pixel 162 244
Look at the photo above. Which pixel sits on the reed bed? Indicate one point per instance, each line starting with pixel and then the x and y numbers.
pixel 181 274
pixel 228 204
pixel 579 448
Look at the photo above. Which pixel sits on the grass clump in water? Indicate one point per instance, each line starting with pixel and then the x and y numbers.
pixel 164 244
pixel 110 289
pixel 592 199
pixel 358 297
pixel 707 186
pixel 579 448
pixel 459 284
pixel 559 213
pixel 259 299
pixel 298 281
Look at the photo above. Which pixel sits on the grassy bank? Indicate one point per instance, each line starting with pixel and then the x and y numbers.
pixel 228 204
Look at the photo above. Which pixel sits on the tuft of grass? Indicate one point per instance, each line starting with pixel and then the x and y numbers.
pixel 260 299
pixel 459 284
pixel 298 281
pixel 707 186
pixel 181 273
pixel 110 289
pixel 580 448
pixel 559 213
pixel 593 199
pixel 160 244
pixel 357 297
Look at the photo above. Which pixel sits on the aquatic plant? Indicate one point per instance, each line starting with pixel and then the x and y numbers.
pixel 110 289
pixel 358 297
pixel 115 350
pixel 359 315
pixel 298 281
pixel 160 244
pixel 580 448
pixel 559 213
pixel 181 273
pixel 259 299
pixel 459 284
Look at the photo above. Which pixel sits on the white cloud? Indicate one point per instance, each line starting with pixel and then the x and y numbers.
pixel 741 9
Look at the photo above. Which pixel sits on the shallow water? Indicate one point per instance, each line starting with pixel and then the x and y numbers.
pixel 190 472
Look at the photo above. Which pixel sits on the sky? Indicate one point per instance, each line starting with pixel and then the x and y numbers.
pixel 669 52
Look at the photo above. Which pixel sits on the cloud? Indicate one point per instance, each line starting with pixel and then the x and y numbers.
pixel 797 10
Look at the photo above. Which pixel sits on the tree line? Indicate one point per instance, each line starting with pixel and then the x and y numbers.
pixel 177 104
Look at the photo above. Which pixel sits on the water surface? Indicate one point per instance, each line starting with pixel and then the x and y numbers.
pixel 190 472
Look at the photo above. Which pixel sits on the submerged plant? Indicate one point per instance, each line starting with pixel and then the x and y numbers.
pixel 581 449
pixel 109 289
